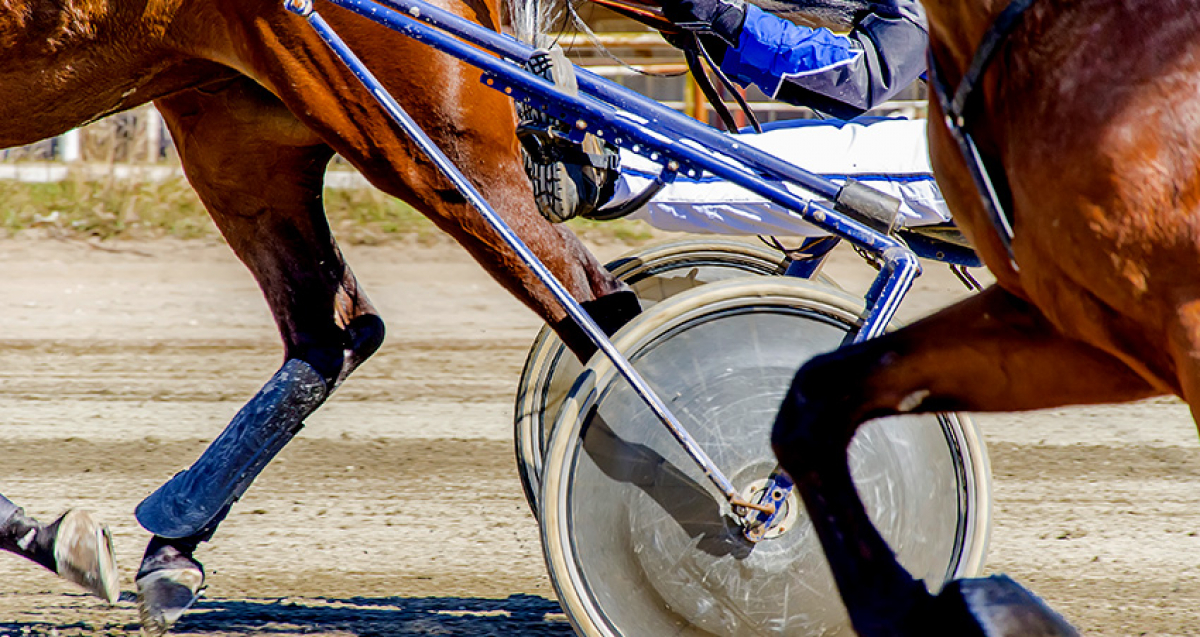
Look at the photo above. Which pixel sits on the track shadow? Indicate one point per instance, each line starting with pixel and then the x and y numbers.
pixel 686 501
pixel 386 617
pixel 361 616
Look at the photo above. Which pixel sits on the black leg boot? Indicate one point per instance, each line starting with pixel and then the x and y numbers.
pixel 610 312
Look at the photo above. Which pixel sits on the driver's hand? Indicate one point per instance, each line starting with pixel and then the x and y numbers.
pixel 723 18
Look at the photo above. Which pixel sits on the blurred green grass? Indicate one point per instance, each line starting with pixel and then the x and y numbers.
pixel 137 210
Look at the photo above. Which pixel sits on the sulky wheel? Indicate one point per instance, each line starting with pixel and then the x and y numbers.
pixel 654 273
pixel 639 542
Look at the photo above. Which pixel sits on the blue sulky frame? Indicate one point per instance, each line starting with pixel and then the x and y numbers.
pixel 635 122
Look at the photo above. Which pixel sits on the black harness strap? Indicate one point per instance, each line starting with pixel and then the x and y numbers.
pixel 737 96
pixel 706 86
pixel 987 172
pixel 692 52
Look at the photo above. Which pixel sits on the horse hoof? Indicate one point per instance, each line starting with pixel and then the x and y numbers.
pixel 83 554
pixel 1001 607
pixel 165 594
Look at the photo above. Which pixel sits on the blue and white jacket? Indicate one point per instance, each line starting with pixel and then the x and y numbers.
pixel 843 76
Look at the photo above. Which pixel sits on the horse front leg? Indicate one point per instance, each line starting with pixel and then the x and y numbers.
pixel 260 174
pixel 991 352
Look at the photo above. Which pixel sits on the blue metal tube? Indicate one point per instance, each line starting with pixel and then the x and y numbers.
pixel 572 307
pixel 943 251
pixel 634 116
pixel 650 124
pixel 621 112
pixel 883 299
pixel 900 269
pixel 811 254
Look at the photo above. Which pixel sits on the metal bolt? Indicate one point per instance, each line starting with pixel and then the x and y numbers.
pixel 580 124
pixel 301 7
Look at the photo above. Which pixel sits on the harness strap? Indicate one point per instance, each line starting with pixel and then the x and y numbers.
pixel 1001 28
pixel 634 204
pixel 728 84
pixel 706 87
pixel 693 50
pixel 987 173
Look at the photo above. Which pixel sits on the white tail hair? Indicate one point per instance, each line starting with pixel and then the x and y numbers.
pixel 530 19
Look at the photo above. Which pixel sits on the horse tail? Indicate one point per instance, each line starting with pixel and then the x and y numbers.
pixel 531 19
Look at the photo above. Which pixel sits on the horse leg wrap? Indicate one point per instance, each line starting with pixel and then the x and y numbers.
pixel 186 504
pixel 610 312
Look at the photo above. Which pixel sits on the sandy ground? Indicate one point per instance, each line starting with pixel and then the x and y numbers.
pixel 398 511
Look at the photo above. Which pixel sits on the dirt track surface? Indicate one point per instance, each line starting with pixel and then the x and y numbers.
pixel 398 511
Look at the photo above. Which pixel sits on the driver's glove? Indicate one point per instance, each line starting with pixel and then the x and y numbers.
pixel 723 18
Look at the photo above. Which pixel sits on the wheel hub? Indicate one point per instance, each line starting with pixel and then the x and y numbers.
pixel 787 509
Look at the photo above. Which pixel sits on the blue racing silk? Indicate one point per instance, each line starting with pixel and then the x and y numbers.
pixel 771 49
pixel 883 53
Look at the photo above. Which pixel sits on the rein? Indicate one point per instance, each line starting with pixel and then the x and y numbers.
pixel 650 14
pixel 957 107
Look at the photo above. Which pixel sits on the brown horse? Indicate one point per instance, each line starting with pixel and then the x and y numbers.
pixel 257 106
pixel 1090 108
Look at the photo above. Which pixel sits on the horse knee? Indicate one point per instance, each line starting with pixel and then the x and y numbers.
pixel 366 333
pixel 335 359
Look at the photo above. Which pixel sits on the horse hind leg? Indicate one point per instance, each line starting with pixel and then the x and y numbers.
pixel 473 125
pixel 990 352
pixel 260 174
pixel 1184 349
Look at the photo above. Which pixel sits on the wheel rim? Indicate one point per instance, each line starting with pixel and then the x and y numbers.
pixel 639 542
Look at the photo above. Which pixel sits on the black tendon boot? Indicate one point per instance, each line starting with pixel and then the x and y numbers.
pixel 610 312
pixel 75 546
pixel 170 580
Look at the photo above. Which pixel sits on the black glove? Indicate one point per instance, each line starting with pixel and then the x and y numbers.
pixel 723 18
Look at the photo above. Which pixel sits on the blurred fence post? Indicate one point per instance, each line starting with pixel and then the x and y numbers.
pixel 70 147
pixel 154 127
